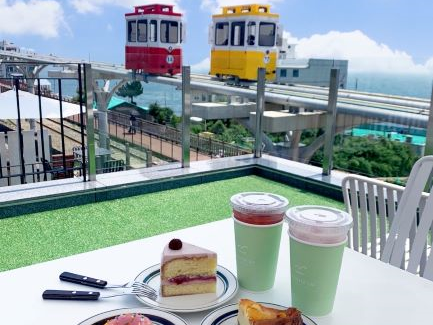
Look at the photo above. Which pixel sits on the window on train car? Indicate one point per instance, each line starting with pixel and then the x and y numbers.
pixel 283 73
pixel 180 32
pixel 169 31
pixel 295 73
pixel 132 31
pixel 142 31
pixel 222 34
pixel 153 37
pixel 238 33
pixel 251 32
pixel 267 34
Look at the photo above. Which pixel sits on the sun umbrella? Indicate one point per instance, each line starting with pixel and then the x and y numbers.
pixel 29 106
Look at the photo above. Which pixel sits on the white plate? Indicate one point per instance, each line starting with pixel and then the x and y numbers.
pixel 227 286
pixel 227 315
pixel 158 317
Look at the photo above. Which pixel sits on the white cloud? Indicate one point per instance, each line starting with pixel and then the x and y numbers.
pixel 214 6
pixel 36 17
pixel 429 65
pixel 363 53
pixel 201 67
pixel 96 6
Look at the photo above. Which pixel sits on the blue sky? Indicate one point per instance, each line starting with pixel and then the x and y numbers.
pixel 384 35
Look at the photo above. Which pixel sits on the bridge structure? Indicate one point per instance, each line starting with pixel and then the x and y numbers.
pixel 287 108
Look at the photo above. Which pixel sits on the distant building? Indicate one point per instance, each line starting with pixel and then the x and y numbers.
pixel 313 72
pixel 125 107
pixel 8 70
pixel 8 46
pixel 45 86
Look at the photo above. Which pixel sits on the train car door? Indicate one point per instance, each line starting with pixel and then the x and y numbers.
pixel 220 52
pixel 153 44
pixel 237 48
pixel 170 43
pixel 142 42
pixel 131 44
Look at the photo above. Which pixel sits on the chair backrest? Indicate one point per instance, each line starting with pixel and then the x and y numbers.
pixel 372 205
pixel 407 213
pixel 413 212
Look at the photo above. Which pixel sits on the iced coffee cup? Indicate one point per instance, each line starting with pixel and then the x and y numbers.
pixel 258 218
pixel 318 236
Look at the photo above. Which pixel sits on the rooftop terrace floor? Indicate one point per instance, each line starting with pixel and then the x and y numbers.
pixel 53 234
pixel 131 205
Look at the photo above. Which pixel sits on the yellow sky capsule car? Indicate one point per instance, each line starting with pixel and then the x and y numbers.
pixel 243 39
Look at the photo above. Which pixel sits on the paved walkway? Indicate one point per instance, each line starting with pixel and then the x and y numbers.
pixel 157 145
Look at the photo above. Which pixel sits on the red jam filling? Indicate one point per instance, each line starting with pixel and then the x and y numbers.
pixel 183 278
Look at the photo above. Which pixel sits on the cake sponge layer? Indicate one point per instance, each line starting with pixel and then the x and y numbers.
pixel 203 266
pixel 188 289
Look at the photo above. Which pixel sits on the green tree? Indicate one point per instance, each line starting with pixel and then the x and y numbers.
pixel 235 133
pixel 131 90
pixel 197 128
pixel 163 115
pixel 372 157
pixel 218 127
pixel 174 120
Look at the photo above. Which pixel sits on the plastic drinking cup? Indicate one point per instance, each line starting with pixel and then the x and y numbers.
pixel 258 221
pixel 318 236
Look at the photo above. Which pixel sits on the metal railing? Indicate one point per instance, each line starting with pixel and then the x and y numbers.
pixel 34 147
pixel 200 144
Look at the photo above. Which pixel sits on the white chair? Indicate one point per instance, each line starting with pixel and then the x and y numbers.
pixel 415 210
pixel 372 204
pixel 377 206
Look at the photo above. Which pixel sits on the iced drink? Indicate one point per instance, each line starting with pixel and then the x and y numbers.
pixel 258 219
pixel 318 236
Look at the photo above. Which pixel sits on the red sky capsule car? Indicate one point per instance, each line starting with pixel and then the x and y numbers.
pixel 154 34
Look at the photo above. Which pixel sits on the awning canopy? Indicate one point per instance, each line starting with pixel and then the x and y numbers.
pixel 29 106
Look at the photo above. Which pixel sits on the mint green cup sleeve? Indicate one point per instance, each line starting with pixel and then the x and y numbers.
pixel 257 249
pixel 314 276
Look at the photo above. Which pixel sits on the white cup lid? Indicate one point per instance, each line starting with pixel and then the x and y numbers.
pixel 259 202
pixel 318 224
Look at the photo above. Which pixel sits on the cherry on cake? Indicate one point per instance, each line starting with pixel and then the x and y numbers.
pixel 254 313
pixel 187 269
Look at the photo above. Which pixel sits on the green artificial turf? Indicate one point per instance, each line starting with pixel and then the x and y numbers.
pixel 39 237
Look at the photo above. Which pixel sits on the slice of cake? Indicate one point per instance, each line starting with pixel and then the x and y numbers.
pixel 253 313
pixel 187 269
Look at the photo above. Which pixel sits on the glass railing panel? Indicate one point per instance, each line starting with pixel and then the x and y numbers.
pixel 378 134
pixel 383 147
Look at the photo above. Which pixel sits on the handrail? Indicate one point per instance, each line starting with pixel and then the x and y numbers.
pixel 203 144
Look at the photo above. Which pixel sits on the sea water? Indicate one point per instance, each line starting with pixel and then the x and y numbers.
pixel 412 85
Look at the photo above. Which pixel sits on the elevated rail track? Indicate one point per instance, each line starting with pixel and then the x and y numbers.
pixel 402 110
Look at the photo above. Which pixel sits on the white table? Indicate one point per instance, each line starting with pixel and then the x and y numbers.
pixel 370 291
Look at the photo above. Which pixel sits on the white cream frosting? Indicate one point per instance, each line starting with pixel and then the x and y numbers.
pixel 187 251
